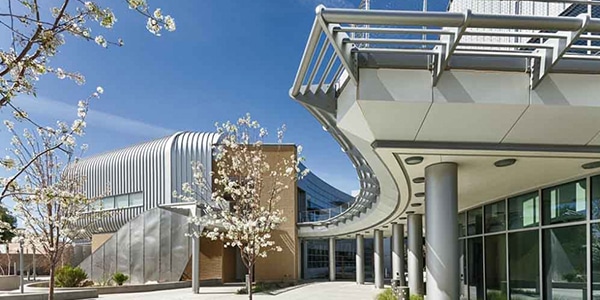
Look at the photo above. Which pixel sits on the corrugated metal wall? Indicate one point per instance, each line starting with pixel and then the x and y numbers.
pixel 152 247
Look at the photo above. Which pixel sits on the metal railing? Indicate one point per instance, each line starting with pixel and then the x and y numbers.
pixel 438 38
pixel 318 215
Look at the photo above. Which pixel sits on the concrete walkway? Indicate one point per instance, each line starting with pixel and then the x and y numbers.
pixel 320 290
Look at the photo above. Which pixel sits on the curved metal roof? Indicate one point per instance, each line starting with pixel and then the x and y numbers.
pixel 155 168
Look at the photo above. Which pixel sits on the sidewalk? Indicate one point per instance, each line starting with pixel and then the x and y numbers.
pixel 320 290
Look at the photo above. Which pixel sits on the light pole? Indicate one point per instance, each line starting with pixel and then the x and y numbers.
pixel 21 264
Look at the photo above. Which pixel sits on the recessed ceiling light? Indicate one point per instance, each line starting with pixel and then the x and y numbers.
pixel 420 194
pixel 410 212
pixel 591 165
pixel 384 226
pixel 415 204
pixel 419 180
pixel 413 160
pixel 402 218
pixel 505 162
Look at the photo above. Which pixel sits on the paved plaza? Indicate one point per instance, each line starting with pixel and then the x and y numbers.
pixel 321 290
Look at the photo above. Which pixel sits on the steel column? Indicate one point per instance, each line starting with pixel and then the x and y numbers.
pixel 398 253
pixel 332 259
pixel 360 259
pixel 415 254
pixel 378 270
pixel 441 211
pixel 195 257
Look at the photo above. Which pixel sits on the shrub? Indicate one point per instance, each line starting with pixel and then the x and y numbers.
pixel 68 276
pixel 120 278
pixel 387 294
pixel 416 297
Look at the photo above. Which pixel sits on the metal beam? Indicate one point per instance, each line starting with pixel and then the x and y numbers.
pixel 444 53
pixel 549 57
pixel 344 51
pixel 318 99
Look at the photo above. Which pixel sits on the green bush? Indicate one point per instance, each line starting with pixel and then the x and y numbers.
pixel 416 297
pixel 387 294
pixel 120 278
pixel 68 276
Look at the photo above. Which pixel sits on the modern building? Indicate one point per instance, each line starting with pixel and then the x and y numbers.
pixel 477 128
pixel 142 231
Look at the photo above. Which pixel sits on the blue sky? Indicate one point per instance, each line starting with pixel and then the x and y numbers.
pixel 226 58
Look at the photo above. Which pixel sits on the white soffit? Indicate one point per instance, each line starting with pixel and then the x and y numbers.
pixel 468 122
pixel 390 120
pixel 556 124
pixel 481 182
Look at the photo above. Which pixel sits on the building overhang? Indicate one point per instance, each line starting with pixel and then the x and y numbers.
pixel 428 85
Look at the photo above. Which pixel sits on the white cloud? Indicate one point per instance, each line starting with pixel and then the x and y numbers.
pixel 55 110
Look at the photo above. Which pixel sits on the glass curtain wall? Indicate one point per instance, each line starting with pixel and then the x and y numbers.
pixel 544 244
pixel 315 256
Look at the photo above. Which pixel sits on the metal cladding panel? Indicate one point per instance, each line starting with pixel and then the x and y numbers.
pixel 151 245
pixel 98 264
pixel 123 249
pixel 180 245
pixel 136 258
pixel 165 245
pixel 110 257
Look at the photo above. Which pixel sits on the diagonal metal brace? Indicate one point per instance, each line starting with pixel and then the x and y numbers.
pixel 318 99
pixel 444 52
pixel 549 57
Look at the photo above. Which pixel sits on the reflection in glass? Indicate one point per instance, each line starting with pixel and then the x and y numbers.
pixel 523 260
pixel 122 201
pixel 495 217
pixel 345 259
pixel 596 260
pixel 317 259
pixel 565 263
pixel 474 221
pixel 475 258
pixel 595 197
pixel 564 203
pixel 462 228
pixel 136 199
pixel 464 288
pixel 523 211
pixel 495 266
pixel 108 203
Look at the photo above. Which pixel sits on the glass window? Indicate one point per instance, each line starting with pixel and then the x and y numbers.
pixel 475 258
pixel 96 205
pixel 595 197
pixel 565 263
pixel 345 259
pixel 495 266
pixel 474 221
pixel 596 261
pixel 122 201
pixel 136 199
pixel 108 203
pixel 461 225
pixel 524 265
pixel 463 269
pixel 523 211
pixel 495 217
pixel 564 203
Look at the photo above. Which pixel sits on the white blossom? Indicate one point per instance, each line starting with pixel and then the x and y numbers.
pixel 100 40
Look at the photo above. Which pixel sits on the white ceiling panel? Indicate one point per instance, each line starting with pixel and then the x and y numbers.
pixel 556 124
pixel 468 122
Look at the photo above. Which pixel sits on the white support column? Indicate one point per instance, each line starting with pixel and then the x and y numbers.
pixel 378 270
pixel 415 254
pixel 441 210
pixel 398 253
pixel 360 259
pixel 195 258
pixel 332 259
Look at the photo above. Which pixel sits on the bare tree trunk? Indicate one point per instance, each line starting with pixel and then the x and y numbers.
pixel 251 278
pixel 51 284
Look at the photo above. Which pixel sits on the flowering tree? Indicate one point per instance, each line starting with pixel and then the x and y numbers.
pixel 37 30
pixel 49 199
pixel 242 211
